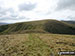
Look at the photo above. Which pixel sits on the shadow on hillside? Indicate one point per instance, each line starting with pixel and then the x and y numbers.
pixel 57 27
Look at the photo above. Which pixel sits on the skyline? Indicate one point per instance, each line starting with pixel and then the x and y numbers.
pixel 12 11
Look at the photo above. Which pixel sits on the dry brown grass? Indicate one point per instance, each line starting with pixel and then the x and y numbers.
pixel 48 43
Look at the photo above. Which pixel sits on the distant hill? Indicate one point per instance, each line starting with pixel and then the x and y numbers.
pixel 42 26
pixel 70 22
pixel 3 23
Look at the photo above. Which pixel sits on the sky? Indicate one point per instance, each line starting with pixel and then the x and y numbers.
pixel 12 11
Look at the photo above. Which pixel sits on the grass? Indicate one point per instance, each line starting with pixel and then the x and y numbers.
pixel 43 26
pixel 35 44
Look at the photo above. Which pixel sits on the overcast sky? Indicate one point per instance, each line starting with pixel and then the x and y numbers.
pixel 28 10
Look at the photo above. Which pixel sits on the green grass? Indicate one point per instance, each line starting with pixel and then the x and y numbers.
pixel 35 44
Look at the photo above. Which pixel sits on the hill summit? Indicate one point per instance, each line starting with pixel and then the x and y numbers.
pixel 42 26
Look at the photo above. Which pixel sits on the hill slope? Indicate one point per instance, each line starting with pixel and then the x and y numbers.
pixel 70 22
pixel 43 26
pixel 3 23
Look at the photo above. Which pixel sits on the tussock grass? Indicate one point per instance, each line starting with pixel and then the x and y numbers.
pixel 32 46
pixel 35 44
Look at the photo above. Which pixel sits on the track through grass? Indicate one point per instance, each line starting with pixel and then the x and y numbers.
pixel 34 46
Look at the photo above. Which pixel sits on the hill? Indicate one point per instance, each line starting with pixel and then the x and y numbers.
pixel 3 23
pixel 42 26
pixel 70 22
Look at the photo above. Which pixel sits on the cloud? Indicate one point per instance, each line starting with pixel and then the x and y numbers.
pixel 25 10
pixel 10 15
pixel 66 4
pixel 7 13
pixel 71 17
pixel 12 12
pixel 27 6
pixel 8 18
pixel 11 19
pixel 2 11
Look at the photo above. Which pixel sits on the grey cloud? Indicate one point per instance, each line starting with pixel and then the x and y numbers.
pixel 22 18
pixel 26 6
pixel 12 19
pixel 48 13
pixel 66 4
pixel 6 18
pixel 12 12
pixel 43 13
pixel 13 16
pixel 71 17
pixel 2 11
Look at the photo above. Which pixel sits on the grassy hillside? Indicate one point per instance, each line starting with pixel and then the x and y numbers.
pixel 43 26
pixel 35 38
pixel 35 44
pixel 70 22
